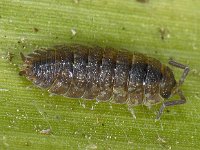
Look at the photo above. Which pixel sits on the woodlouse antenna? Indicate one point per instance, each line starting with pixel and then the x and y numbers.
pixel 181 66
pixel 177 90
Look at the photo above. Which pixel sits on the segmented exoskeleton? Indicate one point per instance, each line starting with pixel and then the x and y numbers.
pixel 104 74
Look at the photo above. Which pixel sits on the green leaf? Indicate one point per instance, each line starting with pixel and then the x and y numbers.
pixel 161 28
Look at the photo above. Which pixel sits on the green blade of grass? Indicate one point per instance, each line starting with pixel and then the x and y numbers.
pixel 161 29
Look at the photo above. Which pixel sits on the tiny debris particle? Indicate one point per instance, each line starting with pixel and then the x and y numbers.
pixel 161 139
pixel 91 146
pixel 194 71
pixel 194 46
pixel 142 1
pixel 164 33
pixel 4 90
pixel 22 40
pixel 45 131
pixel 83 105
pixel 35 29
pixel 123 28
pixel 9 56
pixel 73 31
pixel 28 143
pixel 76 1
pixel 4 139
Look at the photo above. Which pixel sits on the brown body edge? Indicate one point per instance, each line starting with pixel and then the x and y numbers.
pixel 104 74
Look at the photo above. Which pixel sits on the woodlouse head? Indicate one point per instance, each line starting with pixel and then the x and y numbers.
pixel 168 83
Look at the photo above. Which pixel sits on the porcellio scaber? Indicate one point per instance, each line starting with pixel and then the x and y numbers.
pixel 104 74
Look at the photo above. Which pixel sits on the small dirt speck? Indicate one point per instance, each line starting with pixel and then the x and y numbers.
pixel 164 33
pixel 73 31
pixel 76 1
pixel 142 1
pixel 46 131
pixel 91 147
pixel 10 56
pixel 123 28
pixel 28 143
pixel 194 72
pixel 35 29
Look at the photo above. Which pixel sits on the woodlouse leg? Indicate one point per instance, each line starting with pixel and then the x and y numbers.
pixel 130 108
pixel 171 103
pixel 181 66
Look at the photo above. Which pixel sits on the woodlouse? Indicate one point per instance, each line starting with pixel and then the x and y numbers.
pixel 104 74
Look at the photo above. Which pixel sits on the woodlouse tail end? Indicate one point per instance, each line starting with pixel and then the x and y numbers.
pixel 22 56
